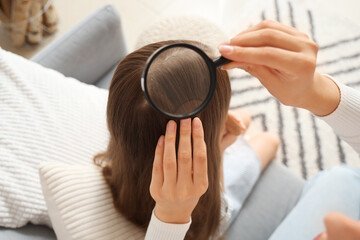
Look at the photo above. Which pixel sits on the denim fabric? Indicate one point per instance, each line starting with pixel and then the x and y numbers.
pixel 333 190
pixel 241 172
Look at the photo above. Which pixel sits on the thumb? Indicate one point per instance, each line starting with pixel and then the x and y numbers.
pixel 258 71
pixel 264 74
pixel 244 66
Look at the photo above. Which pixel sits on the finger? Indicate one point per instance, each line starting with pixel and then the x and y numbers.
pixel 278 26
pixel 268 37
pixel 339 226
pixel 243 127
pixel 321 236
pixel 261 72
pixel 157 178
pixel 233 124
pixel 275 58
pixel 185 153
pixel 265 75
pixel 233 65
pixel 169 158
pixel 244 116
pixel 200 157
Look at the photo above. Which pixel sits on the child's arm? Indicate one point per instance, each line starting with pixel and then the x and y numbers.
pixel 236 123
pixel 175 189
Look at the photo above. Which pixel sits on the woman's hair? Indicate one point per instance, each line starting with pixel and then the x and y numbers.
pixel 135 128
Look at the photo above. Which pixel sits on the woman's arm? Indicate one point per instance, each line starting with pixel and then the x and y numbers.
pixel 284 60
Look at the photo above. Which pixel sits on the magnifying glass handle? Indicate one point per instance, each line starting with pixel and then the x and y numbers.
pixel 219 61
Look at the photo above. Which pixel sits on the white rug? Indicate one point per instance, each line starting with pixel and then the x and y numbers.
pixel 308 145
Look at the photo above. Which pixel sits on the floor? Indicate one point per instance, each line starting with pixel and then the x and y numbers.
pixel 138 14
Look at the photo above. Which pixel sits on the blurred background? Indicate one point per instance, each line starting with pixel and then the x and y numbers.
pixel 137 15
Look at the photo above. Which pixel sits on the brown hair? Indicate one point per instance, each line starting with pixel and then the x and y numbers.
pixel 135 127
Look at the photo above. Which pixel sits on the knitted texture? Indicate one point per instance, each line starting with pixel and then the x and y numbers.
pixel 81 205
pixel 345 120
pixel 183 27
pixel 44 117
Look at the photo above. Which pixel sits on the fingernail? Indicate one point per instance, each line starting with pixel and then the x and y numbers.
pixel 171 126
pixel 161 141
pixel 197 123
pixel 226 49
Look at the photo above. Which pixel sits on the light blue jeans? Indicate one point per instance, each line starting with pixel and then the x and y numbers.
pixel 333 190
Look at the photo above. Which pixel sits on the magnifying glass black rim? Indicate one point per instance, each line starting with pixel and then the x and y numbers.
pixel 209 63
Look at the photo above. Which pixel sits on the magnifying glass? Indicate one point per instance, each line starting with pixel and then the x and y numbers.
pixel 179 80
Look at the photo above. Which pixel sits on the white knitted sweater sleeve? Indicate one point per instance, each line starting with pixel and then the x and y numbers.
pixel 158 230
pixel 345 120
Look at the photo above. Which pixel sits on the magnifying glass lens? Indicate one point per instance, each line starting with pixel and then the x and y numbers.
pixel 178 81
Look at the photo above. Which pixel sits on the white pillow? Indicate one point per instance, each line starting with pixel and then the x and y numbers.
pixel 44 117
pixel 184 27
pixel 81 205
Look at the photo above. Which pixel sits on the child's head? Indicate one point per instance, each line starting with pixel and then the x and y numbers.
pixel 135 127
pixel 178 80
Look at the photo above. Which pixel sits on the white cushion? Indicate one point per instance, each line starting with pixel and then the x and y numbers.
pixel 44 117
pixel 81 205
